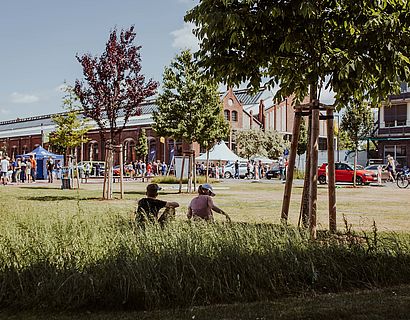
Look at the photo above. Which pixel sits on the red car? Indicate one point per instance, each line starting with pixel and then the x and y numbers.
pixel 344 173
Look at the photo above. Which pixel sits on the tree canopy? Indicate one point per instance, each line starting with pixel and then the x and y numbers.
pixel 189 108
pixel 359 49
pixel 357 124
pixel 114 88
pixel 256 142
pixel 71 129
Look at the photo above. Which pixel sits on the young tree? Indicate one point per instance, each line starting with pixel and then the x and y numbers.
pixel 250 143
pixel 357 49
pixel 255 142
pixel 274 144
pixel 113 91
pixel 71 129
pixel 357 123
pixel 141 148
pixel 189 108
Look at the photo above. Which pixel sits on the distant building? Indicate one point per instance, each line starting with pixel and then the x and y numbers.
pixel 392 134
pixel 242 109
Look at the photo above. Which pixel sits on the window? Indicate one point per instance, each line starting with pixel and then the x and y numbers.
pixel 235 116
pixel 227 115
pixel 395 115
pixel 399 153
pixel 322 143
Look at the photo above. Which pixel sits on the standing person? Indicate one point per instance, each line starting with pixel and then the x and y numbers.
pixel 248 169
pixel 391 167
pixel 50 169
pixel 4 166
pixel 217 171
pixel 23 172
pixel 28 170
pixel 149 207
pixel 33 163
pixel 236 169
pixel 14 166
pixel 18 170
pixel 164 168
pixel 201 207
pixel 87 171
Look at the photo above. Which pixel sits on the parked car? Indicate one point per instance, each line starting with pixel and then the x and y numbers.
pixel 128 170
pixel 374 168
pixel 229 171
pixel 273 172
pixel 94 164
pixel 344 173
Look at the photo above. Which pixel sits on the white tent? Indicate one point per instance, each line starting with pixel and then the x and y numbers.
pixel 220 152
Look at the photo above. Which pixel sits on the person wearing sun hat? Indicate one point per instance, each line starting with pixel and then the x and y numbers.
pixel 148 208
pixel 201 206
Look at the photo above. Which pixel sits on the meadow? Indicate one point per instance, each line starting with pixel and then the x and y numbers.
pixel 70 250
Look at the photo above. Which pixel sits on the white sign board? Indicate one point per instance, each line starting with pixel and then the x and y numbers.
pixel 178 166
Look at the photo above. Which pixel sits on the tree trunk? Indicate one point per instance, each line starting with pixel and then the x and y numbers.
pixel 291 166
pixel 304 206
pixel 108 174
pixel 182 174
pixel 121 173
pixel 193 157
pixel 331 171
pixel 354 168
pixel 207 166
pixel 314 147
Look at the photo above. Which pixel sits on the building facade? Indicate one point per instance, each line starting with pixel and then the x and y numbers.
pixel 241 109
pixel 392 135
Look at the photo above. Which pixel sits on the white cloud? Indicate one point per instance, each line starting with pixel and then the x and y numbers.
pixel 184 38
pixel 17 97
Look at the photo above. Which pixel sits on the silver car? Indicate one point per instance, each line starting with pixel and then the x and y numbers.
pixel 229 171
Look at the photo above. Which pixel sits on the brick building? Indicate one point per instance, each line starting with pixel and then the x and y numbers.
pixel 242 109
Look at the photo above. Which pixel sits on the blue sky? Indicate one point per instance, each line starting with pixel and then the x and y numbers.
pixel 39 41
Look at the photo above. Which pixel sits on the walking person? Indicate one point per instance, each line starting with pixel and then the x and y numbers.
pixel 201 206
pixel 23 170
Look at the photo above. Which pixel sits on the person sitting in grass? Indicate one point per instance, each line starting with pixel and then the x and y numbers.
pixel 148 208
pixel 201 207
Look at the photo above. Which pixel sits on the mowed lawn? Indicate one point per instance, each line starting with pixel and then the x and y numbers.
pixel 388 206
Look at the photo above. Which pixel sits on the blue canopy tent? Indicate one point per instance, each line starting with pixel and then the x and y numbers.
pixel 41 155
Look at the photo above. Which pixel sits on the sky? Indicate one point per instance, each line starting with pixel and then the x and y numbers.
pixel 40 40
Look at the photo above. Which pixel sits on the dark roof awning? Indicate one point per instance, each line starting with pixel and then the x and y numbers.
pixel 388 138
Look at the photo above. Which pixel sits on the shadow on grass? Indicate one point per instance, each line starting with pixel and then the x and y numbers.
pixel 57 198
pixel 142 193
pixel 41 188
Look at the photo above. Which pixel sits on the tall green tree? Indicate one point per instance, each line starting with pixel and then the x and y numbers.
pixel 141 148
pixel 358 49
pixel 71 127
pixel 357 124
pixel 189 108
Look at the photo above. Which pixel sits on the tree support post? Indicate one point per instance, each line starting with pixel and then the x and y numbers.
pixel 314 147
pixel 121 172
pixel 331 170
pixel 304 205
pixel 291 165
pixel 182 174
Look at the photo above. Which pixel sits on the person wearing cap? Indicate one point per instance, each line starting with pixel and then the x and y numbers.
pixel 148 208
pixel 201 207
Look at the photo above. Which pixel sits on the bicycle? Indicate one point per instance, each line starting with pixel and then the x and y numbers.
pixel 403 178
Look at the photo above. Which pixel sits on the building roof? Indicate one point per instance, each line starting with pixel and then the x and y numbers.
pixel 147 107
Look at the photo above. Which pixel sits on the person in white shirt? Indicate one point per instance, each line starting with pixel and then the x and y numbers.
pixel 4 165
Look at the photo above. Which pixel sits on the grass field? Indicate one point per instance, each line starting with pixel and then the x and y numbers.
pixel 245 201
pixel 82 251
